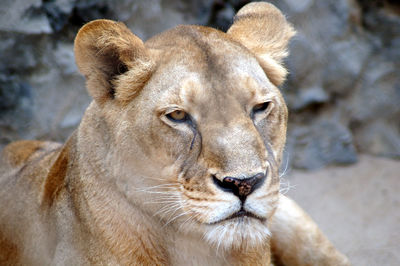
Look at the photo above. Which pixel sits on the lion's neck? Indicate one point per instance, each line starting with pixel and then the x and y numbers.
pixel 123 233
pixel 183 249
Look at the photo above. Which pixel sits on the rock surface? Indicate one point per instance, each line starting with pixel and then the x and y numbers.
pixel 343 89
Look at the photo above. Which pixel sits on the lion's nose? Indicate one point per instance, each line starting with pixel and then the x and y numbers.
pixel 240 187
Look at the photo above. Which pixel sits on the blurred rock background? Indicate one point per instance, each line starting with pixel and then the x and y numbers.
pixel 343 90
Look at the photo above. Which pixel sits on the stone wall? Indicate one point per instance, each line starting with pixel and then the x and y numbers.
pixel 343 89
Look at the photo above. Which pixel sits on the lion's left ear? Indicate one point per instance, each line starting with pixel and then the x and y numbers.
pixel 114 61
pixel 263 29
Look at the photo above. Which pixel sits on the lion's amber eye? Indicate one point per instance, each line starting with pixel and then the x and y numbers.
pixel 178 116
pixel 260 107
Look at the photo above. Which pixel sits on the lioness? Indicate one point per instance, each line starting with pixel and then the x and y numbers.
pixel 175 161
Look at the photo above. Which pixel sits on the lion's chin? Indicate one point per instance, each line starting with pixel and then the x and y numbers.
pixel 240 232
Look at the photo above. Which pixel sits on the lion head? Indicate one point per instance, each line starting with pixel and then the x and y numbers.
pixel 190 125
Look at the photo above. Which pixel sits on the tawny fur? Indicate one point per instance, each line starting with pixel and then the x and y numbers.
pixel 132 186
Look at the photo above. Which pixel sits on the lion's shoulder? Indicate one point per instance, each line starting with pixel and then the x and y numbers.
pixel 22 152
pixel 28 162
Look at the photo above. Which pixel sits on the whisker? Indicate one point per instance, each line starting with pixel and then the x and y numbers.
pixel 285 170
pixel 168 208
pixel 168 186
pixel 161 179
pixel 169 194
pixel 190 219
pixel 176 217
pixel 163 201
pixel 285 186
pixel 156 192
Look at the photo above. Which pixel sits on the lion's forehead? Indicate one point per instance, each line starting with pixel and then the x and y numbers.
pixel 238 78
pixel 207 56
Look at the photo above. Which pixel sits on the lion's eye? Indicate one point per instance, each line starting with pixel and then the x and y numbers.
pixel 178 116
pixel 260 107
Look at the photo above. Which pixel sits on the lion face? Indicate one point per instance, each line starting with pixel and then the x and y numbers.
pixel 198 125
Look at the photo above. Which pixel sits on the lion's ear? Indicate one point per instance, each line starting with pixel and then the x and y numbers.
pixel 114 61
pixel 263 29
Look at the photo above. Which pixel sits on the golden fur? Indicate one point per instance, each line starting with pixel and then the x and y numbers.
pixel 138 185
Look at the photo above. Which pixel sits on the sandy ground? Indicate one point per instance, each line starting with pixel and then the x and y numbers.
pixel 357 207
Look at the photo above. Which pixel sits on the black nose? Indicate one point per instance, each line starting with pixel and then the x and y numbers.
pixel 240 187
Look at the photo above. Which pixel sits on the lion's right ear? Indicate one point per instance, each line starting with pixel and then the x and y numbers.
pixel 114 61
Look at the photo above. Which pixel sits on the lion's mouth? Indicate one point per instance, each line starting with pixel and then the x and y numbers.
pixel 241 214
